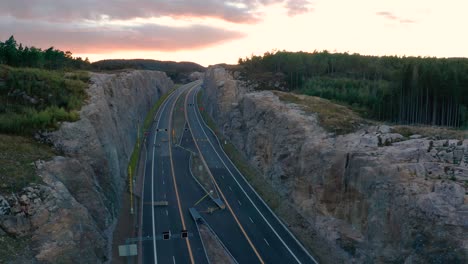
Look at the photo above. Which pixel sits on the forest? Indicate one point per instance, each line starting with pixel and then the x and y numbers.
pixel 401 90
pixel 17 55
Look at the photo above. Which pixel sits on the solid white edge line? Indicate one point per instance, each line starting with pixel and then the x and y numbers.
pixel 260 198
pixel 159 112
pixel 245 193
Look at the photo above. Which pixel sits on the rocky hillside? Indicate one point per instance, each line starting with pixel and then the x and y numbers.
pixel 71 215
pixel 371 194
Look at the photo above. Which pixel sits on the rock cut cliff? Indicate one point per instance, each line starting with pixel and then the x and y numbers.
pixel 368 196
pixel 70 218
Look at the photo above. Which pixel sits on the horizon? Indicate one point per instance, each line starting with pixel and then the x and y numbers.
pixel 224 31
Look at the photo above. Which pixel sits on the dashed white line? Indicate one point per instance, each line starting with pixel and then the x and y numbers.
pixel 251 219
pixel 164 182
pixel 173 259
pixel 167 213
pixel 230 188
pixel 165 196
pixel 266 242
pixel 197 114
pixel 222 176
pixel 239 202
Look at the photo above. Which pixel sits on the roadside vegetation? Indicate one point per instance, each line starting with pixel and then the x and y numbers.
pixel 400 90
pixel 135 157
pixel 17 156
pixel 38 90
pixel 334 118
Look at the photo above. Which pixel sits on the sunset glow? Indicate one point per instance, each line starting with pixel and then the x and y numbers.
pixel 217 31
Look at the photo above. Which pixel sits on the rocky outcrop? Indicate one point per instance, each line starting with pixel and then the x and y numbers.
pixel 71 216
pixel 371 196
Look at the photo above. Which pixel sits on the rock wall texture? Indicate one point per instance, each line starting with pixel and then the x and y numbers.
pixel 404 201
pixel 70 218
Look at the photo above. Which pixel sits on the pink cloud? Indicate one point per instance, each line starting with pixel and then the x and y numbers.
pixel 73 10
pixel 106 39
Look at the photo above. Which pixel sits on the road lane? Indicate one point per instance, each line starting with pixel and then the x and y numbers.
pixel 159 186
pixel 259 221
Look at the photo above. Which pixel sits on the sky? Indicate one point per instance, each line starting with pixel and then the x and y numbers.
pixel 222 31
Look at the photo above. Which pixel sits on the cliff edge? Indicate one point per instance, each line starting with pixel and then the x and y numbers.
pixel 70 217
pixel 370 194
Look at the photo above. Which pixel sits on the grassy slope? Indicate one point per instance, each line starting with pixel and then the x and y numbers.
pixel 35 99
pixel 32 100
pixel 334 118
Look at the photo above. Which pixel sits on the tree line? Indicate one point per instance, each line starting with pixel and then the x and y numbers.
pixel 402 90
pixel 17 55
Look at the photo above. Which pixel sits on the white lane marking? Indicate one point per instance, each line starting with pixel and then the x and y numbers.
pixel 230 188
pixel 173 259
pixel 167 213
pixel 251 220
pixel 164 182
pixel 152 208
pixel 242 189
pixel 165 196
pixel 266 241
pixel 222 176
pixel 239 202
pixel 261 199
pixel 155 254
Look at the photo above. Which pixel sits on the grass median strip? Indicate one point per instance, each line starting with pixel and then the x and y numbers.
pixel 146 125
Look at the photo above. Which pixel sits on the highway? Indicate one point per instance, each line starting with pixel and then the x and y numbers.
pixel 159 185
pixel 269 237
pixel 247 227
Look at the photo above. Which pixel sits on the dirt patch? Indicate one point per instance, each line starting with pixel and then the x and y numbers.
pixel 126 228
pixel 17 156
pixel 215 251
pixel 437 133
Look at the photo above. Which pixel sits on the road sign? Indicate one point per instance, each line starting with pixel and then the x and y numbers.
pixel 128 250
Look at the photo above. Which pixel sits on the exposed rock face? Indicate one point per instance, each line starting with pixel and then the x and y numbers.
pixel 71 216
pixel 372 196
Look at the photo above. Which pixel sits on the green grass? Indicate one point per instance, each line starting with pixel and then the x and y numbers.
pixel 178 118
pixel 334 118
pixel 17 155
pixel 35 99
pixel 146 125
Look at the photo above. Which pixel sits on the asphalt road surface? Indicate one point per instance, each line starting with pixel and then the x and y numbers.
pixel 160 180
pixel 247 227
pixel 269 238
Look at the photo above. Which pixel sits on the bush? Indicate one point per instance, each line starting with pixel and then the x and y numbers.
pixel 34 99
